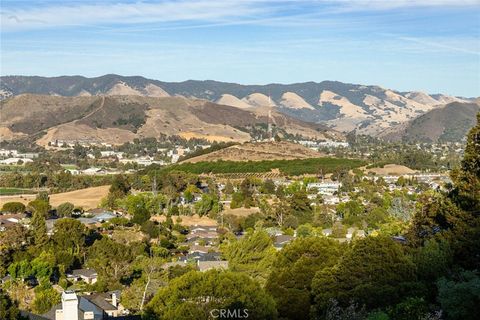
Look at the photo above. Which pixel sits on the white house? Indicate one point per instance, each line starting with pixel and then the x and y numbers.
pixel 325 188
pixel 10 161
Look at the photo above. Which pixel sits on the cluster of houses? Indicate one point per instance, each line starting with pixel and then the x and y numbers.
pixel 86 143
pixel 202 243
pixel 315 145
pixel 11 157
pixel 91 218
pixel 93 171
pixel 433 180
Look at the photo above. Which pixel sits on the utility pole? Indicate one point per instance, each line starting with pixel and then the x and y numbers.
pixel 154 185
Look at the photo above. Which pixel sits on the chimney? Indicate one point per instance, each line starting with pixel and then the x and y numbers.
pixel 70 305
pixel 114 300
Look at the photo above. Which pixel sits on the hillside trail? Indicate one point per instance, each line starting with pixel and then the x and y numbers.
pixel 51 131
pixel 91 112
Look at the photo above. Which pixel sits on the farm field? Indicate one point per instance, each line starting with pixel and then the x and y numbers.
pixel 86 198
pixel 15 191
pixel 287 167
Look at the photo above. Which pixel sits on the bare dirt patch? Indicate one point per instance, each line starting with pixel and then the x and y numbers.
pixel 391 169
pixel 241 212
pixel 259 151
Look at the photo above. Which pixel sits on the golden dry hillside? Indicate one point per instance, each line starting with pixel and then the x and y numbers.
pixel 121 118
pixel 258 151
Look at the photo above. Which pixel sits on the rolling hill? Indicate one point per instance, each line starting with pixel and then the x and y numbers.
pixel 341 106
pixel 118 119
pixel 446 124
pixel 258 152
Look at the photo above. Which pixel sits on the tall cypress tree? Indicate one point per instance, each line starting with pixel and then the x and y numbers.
pixel 467 179
pixel 39 229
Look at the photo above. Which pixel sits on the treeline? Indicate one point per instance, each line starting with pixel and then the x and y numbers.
pixel 406 155
pixel 289 167
pixel 214 147
pixel 54 181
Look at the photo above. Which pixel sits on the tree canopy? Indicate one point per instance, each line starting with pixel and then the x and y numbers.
pixel 196 295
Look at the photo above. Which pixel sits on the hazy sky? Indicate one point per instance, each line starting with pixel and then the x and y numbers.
pixel 428 45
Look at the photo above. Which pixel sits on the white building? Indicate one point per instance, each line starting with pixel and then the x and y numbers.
pixel 69 309
pixel 106 154
pixel 10 161
pixel 333 144
pixel 96 306
pixel 325 188
pixel 8 153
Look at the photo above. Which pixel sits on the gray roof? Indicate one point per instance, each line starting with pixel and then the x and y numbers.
pixel 84 272
pixel 282 239
pixel 100 300
pixel 200 256
pixel 87 220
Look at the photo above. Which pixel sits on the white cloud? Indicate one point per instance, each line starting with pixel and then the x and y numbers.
pixel 394 4
pixel 124 13
pixel 209 12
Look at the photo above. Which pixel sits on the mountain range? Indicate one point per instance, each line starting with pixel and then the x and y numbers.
pixel 117 119
pixel 341 107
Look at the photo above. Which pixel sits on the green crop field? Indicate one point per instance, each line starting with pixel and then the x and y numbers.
pixel 14 191
pixel 288 167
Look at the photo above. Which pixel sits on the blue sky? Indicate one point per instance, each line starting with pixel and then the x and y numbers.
pixel 427 45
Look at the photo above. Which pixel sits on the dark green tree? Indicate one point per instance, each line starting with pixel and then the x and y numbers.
pixel 112 260
pixel 290 280
pixel 300 207
pixel 69 235
pixel 39 207
pixel 467 180
pixel 460 297
pixel 8 309
pixel 201 295
pixel 374 272
pixel 253 255
pixel 39 229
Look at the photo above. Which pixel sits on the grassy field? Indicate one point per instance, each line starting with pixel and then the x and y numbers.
pixel 391 169
pixel 288 167
pixel 69 166
pixel 86 198
pixel 14 191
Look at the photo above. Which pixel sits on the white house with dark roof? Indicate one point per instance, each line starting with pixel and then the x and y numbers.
pixel 97 306
pixel 89 276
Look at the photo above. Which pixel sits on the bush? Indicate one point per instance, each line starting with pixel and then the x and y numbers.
pixel 45 300
pixel 65 209
pixel 13 207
